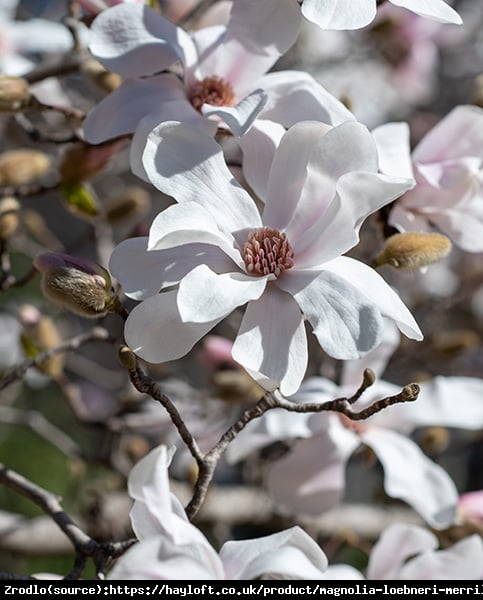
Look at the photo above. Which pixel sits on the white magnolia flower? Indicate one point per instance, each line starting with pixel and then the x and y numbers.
pixel 286 263
pixel 170 547
pixel 347 14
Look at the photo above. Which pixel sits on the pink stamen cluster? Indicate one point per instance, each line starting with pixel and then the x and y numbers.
pixel 212 90
pixel 267 251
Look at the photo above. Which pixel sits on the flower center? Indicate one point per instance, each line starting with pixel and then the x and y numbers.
pixel 212 90
pixel 267 251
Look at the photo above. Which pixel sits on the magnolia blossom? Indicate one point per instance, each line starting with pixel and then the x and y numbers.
pixel 286 263
pixel 346 14
pixel 94 7
pixel 170 547
pixel 317 461
pixel 448 168
pixel 409 552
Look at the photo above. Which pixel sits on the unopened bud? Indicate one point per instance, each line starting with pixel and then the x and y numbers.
pixel 102 79
pixel 413 250
pixel 19 167
pixel 81 285
pixel 9 209
pixel 14 94
pixel 82 161
pixel 127 358
pixel 410 392
pixel 129 207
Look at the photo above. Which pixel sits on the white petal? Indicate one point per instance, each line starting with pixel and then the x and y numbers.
pixel 464 229
pixel 121 111
pixel 346 323
pixel 295 96
pixel 205 296
pixel 342 572
pixel 432 9
pixel 143 274
pixel 410 476
pixel 135 40
pixel 239 118
pixel 396 544
pixel 191 167
pixel 275 356
pixel 155 332
pixel 339 14
pixel 393 146
pixel 289 554
pixel 372 285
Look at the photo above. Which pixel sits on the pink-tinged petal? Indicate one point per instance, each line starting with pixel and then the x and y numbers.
pixel 372 285
pixel 317 473
pixel 155 331
pixel 462 561
pixel 437 10
pixel 464 229
pixel 396 544
pixel 409 475
pixel 289 172
pixel 275 356
pixel 143 274
pixel 159 558
pixel 135 40
pixel 359 194
pixel 190 167
pixel 257 35
pixel 393 147
pixel 436 403
pixel 190 223
pixel 289 554
pixel 205 296
pixel 120 112
pixel 339 14
pixel 295 96
pixel 346 323
pixel 459 133
pixel 406 220
pixel 239 118
pixel 259 145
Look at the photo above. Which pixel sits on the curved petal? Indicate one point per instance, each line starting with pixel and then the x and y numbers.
pixel 346 323
pixel 289 554
pixel 190 167
pixel 205 296
pixel 342 572
pixel 295 96
pixel 274 356
pixel 398 543
pixel 412 477
pixel 463 560
pixel 464 229
pixel 155 332
pixel 393 146
pixel 120 112
pixel 135 40
pixel 257 35
pixel 143 274
pixel 437 10
pixel 339 14
pixel 372 285
pixel 239 118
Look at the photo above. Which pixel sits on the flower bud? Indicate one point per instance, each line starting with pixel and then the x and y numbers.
pixel 103 80
pixel 80 285
pixel 9 208
pixel 413 250
pixel 14 94
pixel 19 167
pixel 127 358
pixel 129 207
pixel 83 161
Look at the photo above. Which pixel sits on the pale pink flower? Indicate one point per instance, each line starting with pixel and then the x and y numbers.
pixel 287 263
pixel 448 168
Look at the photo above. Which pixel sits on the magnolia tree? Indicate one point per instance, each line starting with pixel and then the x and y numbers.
pixel 241 290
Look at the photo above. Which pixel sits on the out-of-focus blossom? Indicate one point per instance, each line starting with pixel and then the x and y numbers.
pixel 287 264
pixel 448 167
pixel 94 7
pixel 317 463
pixel 170 547
pixel 346 14
pixel 470 506
pixel 407 552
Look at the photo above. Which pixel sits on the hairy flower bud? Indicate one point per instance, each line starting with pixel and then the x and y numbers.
pixel 413 250
pixel 9 208
pixel 14 94
pixel 81 285
pixel 103 80
pixel 129 207
pixel 83 161
pixel 19 167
